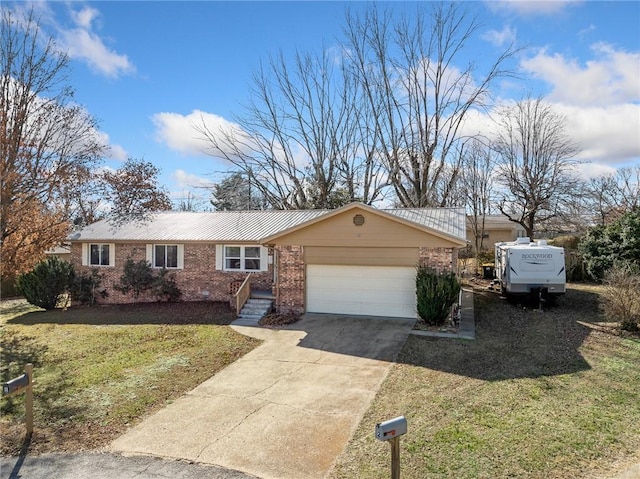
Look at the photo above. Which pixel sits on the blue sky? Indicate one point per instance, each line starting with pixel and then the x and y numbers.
pixel 148 70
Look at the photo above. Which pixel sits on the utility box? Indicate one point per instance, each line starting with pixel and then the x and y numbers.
pixel 488 271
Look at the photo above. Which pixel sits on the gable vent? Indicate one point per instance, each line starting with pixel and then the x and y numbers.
pixel 358 220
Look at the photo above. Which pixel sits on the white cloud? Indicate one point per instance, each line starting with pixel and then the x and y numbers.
pixel 612 77
pixel 588 170
pixel 525 7
pixel 188 180
pixel 115 152
pixel 118 153
pixel 179 132
pixel 85 44
pixel 607 135
pixel 499 38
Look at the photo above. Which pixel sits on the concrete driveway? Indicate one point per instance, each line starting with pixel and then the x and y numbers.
pixel 286 409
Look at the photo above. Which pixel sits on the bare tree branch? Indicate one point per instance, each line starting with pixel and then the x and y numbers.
pixel 535 162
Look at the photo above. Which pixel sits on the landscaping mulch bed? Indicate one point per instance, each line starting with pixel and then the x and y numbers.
pixel 276 320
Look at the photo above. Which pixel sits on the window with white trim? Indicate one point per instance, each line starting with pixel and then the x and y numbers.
pixel 244 258
pixel 169 256
pixel 165 256
pixel 99 254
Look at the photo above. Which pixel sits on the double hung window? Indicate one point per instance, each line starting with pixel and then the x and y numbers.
pixel 165 256
pixel 243 258
pixel 99 255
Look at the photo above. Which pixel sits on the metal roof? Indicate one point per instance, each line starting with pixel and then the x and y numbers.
pixel 248 226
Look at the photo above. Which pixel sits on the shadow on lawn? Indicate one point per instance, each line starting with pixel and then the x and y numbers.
pixel 218 313
pixel 513 341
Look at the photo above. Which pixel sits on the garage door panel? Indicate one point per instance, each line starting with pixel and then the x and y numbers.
pixel 361 290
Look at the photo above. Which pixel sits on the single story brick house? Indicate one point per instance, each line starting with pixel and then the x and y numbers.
pixel 352 260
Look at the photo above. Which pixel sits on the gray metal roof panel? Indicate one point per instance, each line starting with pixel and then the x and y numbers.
pixel 187 226
pixel 248 226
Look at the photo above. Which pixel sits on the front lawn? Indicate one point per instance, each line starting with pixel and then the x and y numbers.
pixel 537 395
pixel 100 370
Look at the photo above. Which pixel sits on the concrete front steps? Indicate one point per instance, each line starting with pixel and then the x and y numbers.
pixel 253 311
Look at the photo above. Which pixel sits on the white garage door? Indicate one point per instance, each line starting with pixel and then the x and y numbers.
pixel 362 290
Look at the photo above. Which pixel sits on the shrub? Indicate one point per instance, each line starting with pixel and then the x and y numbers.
pixel 86 287
pixel 436 292
pixel 45 285
pixel 165 287
pixel 137 277
pixel 622 295
pixel 618 240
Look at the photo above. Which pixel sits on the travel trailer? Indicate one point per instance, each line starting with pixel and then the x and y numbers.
pixel 530 268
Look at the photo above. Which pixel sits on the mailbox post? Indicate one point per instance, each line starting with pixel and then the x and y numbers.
pixel 391 431
pixel 19 384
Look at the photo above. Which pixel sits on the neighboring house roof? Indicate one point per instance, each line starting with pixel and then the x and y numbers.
pixel 497 222
pixel 252 226
pixel 61 249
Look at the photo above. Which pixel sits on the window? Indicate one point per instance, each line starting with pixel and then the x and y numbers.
pixel 99 255
pixel 165 256
pixel 243 258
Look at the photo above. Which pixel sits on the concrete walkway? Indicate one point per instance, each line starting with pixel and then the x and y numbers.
pixel 286 409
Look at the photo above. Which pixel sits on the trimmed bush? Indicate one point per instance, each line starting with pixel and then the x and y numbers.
pixel 47 283
pixel 165 286
pixel 139 277
pixel 86 288
pixel 436 292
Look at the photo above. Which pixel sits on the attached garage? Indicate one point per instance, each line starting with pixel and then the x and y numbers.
pixel 358 260
pixel 362 290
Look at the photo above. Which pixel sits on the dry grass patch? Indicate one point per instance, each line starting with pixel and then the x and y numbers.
pixel 100 370
pixel 537 395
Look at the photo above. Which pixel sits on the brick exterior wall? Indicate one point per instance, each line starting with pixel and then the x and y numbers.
pixel 444 260
pixel 290 288
pixel 198 280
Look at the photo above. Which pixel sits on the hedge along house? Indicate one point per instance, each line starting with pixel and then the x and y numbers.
pixel 352 260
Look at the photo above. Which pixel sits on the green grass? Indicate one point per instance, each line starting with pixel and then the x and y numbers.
pixel 99 370
pixel 537 395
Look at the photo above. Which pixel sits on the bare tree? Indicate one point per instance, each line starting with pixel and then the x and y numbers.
pixel 417 95
pixel 299 139
pixel 535 163
pixel 190 202
pixel 477 188
pixel 610 196
pixel 46 140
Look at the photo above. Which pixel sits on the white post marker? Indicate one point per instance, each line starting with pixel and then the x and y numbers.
pixel 391 431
